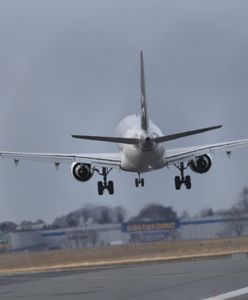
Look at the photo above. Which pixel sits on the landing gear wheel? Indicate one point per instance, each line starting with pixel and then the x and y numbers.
pixel 105 185
pixel 179 180
pixel 188 182
pixel 139 181
pixel 178 183
pixel 100 188
pixel 136 182
pixel 111 187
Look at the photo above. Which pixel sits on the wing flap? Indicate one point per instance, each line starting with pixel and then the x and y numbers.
pixel 109 159
pixel 186 154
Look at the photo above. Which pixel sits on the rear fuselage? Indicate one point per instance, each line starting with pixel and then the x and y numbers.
pixel 147 155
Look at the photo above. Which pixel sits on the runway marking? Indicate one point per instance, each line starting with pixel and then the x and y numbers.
pixel 229 295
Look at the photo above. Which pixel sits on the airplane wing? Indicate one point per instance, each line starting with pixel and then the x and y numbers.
pixel 185 154
pixel 97 159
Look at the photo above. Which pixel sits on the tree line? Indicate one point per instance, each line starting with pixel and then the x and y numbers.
pixel 90 214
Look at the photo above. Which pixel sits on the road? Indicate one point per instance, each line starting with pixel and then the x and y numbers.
pixel 195 280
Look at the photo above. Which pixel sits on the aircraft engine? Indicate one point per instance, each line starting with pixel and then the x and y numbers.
pixel 82 172
pixel 201 164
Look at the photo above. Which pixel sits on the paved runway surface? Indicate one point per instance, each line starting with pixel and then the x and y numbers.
pixel 172 281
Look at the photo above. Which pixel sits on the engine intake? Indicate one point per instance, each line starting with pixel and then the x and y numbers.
pixel 82 172
pixel 201 164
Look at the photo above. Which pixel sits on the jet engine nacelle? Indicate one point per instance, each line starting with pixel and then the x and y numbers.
pixel 201 164
pixel 81 171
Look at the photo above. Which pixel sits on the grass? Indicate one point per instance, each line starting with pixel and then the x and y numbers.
pixel 116 255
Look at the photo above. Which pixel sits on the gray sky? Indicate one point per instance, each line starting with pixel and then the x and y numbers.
pixel 73 67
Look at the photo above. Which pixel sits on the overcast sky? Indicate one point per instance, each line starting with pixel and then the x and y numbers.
pixel 72 67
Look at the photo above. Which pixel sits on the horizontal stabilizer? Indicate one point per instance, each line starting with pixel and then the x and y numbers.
pixel 175 136
pixel 119 140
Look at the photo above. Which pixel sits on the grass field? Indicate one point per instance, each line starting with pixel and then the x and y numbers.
pixel 116 255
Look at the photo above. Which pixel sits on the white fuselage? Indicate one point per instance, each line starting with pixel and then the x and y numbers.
pixel 147 155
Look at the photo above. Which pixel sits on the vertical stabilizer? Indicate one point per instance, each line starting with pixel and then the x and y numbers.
pixel 144 116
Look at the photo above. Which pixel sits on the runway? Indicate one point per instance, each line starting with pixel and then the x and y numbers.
pixel 195 280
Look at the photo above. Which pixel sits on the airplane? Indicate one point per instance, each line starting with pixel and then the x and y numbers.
pixel 141 149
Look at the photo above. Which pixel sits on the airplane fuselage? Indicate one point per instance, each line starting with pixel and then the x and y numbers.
pixel 147 155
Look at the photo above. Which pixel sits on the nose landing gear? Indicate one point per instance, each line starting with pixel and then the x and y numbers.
pixel 139 181
pixel 180 180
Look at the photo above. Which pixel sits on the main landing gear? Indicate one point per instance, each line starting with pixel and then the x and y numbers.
pixel 180 180
pixel 105 185
pixel 139 181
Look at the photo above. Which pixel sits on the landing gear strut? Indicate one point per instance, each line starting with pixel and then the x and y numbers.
pixel 105 185
pixel 139 181
pixel 180 180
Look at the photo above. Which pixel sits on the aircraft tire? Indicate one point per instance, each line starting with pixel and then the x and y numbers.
pixel 188 182
pixel 111 187
pixel 136 182
pixel 178 183
pixel 100 188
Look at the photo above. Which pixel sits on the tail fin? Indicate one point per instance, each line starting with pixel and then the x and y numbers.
pixel 144 115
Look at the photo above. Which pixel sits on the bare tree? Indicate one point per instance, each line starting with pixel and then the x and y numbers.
pixel 242 204
pixel 237 215
pixel 207 212
pixel 156 212
pixel 236 225
pixel 185 215
pixel 105 217
pixel 91 214
pixel 86 214
pixel 120 214
pixel 7 226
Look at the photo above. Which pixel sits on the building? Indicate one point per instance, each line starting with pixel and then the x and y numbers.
pixel 131 232
pixel 78 237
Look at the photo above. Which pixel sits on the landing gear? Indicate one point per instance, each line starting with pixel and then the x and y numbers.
pixel 139 181
pixel 105 185
pixel 180 180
